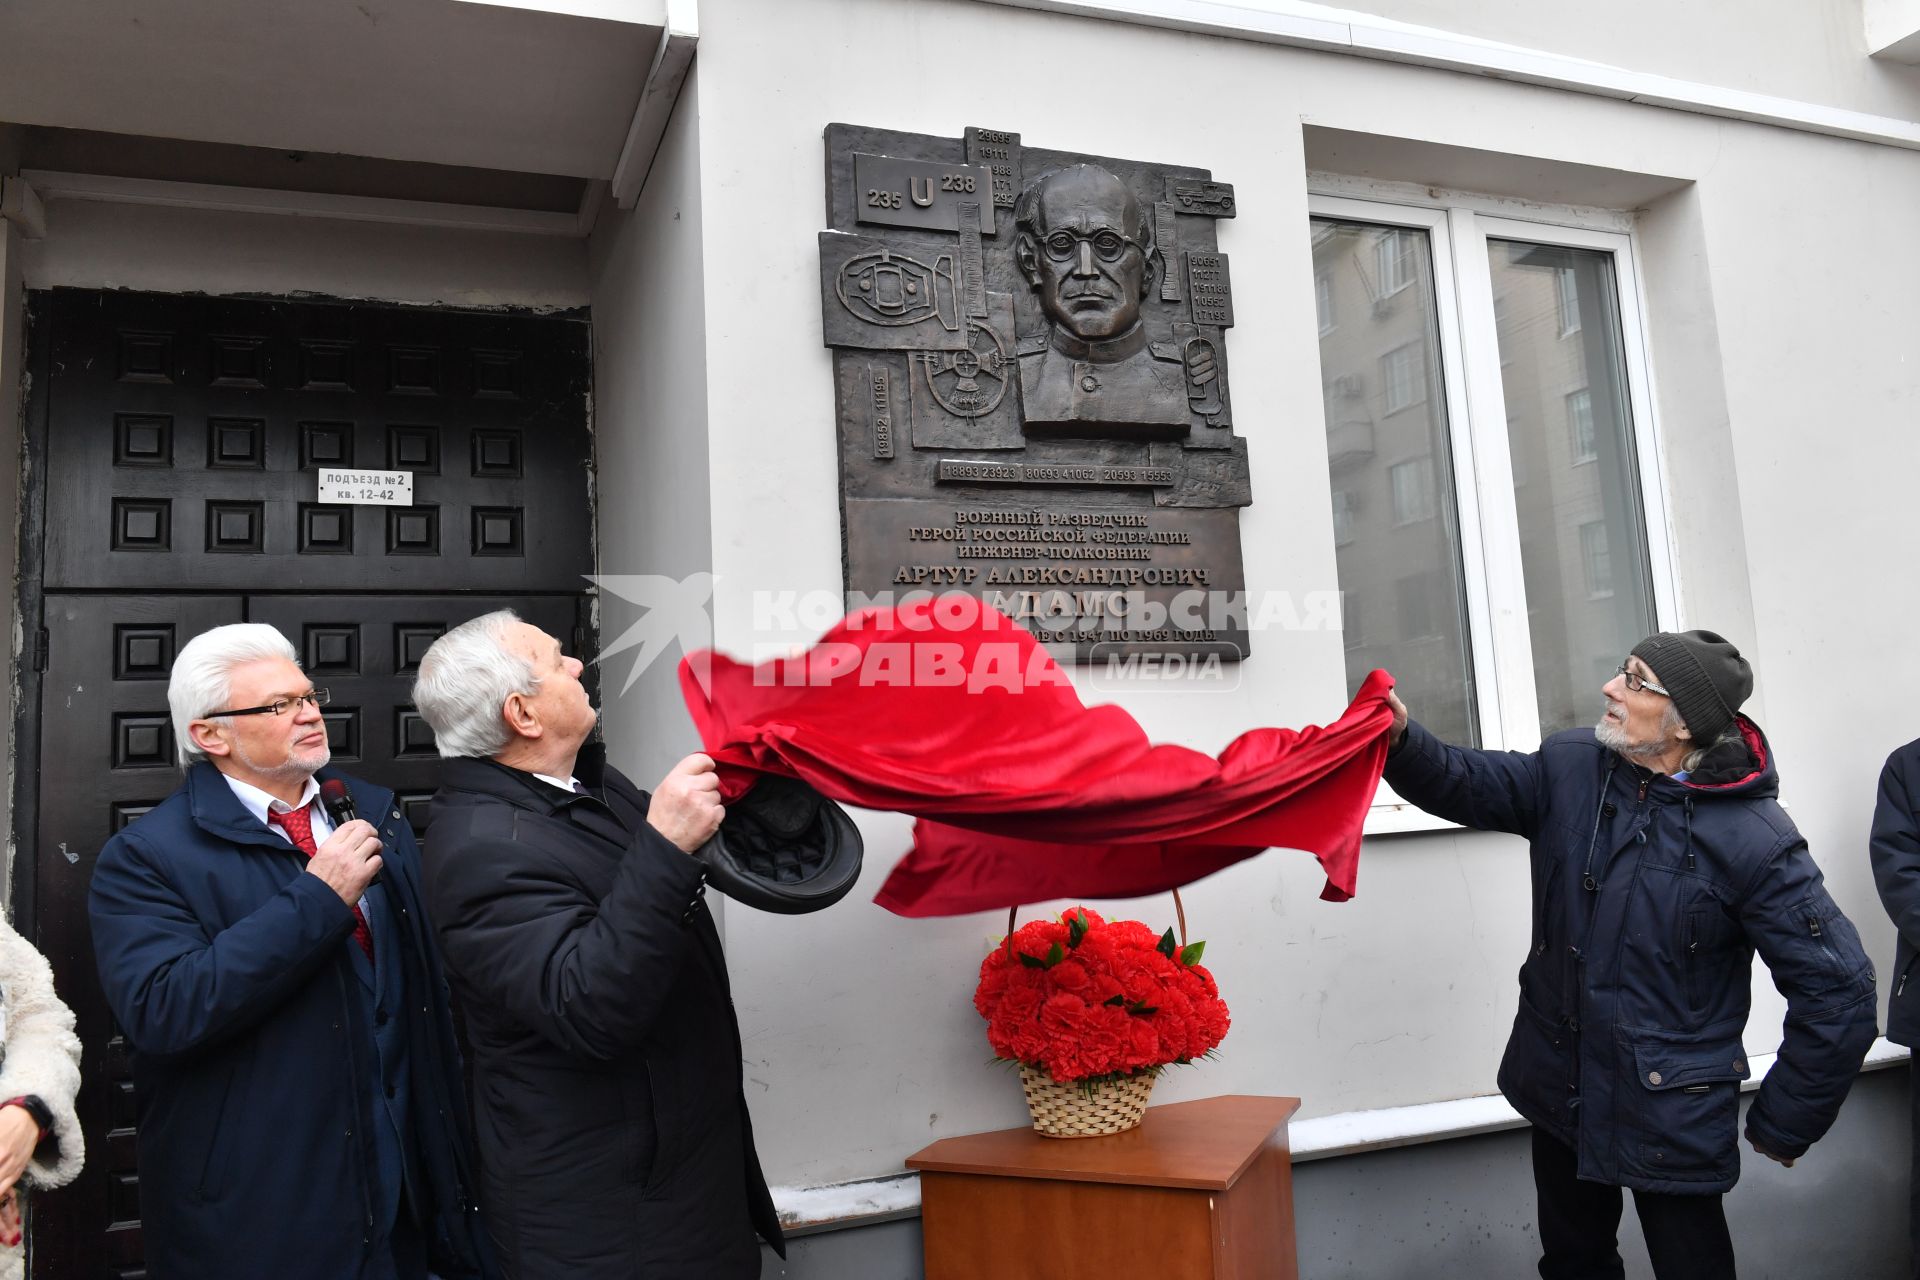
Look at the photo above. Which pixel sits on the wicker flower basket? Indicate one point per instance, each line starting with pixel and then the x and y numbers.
pixel 1076 1111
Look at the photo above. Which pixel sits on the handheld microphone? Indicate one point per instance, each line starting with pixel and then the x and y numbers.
pixel 339 806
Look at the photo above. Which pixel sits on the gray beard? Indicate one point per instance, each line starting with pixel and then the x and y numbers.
pixel 286 771
pixel 1614 738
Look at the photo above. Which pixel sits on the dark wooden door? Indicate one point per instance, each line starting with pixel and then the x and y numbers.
pixel 172 450
pixel 366 650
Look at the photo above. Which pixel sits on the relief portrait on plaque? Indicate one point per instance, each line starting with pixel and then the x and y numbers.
pixel 1031 383
pixel 1086 248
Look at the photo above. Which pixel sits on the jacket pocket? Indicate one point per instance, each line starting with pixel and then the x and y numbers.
pixel 1678 1115
pixel 1536 1072
pixel 640 1125
pixel 213 1169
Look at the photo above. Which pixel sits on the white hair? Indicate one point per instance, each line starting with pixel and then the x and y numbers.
pixel 202 677
pixel 464 682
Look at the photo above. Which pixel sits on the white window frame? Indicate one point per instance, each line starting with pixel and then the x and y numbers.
pixel 1499 640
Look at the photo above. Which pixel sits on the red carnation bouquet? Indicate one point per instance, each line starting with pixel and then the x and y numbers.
pixel 1091 1001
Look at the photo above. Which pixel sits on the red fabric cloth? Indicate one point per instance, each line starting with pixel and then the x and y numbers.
pixel 298 824
pixel 1022 793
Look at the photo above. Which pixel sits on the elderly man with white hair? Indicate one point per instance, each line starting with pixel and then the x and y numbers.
pixel 613 1131
pixel 295 1066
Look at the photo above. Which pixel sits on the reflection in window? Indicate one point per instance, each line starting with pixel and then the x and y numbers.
pixel 1403 372
pixel 1395 254
pixel 1323 303
pixel 1569 293
pixel 1389 451
pixel 1581 442
pixel 1413 495
pixel 1416 607
pixel 1599 564
pixel 1342 517
pixel 1582 542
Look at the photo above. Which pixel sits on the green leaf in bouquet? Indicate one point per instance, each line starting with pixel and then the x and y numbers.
pixel 1191 953
pixel 1115 1001
pixel 1077 926
pixel 1167 945
pixel 1031 962
pixel 1055 954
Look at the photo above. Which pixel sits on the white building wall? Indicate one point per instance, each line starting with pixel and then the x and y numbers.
pixel 1813 50
pixel 1790 48
pixel 1780 336
pixel 651 429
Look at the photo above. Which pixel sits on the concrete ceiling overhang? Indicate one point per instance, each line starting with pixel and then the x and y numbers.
pixel 437 81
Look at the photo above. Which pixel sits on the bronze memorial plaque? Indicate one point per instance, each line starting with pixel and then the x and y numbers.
pixel 1030 363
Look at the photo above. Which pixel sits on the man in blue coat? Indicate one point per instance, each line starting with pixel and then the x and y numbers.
pixel 1661 862
pixel 295 1067
pixel 1895 845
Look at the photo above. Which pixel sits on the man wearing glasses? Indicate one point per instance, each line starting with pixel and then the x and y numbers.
pixel 1086 248
pixel 1661 862
pixel 295 1067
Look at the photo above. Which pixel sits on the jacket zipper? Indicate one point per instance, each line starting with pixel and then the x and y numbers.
pixel 1826 949
pixel 1578 986
pixel 1903 979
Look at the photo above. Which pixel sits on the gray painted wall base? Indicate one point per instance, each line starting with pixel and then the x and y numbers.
pixel 1463 1210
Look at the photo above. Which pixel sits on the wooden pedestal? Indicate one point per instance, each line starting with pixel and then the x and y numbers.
pixel 1200 1191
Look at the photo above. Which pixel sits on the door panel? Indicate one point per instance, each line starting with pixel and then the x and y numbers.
pixel 107 757
pixel 366 651
pixel 189 433
pixel 173 445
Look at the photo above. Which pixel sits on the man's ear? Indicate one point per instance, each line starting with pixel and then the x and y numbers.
pixel 520 716
pixel 1026 256
pixel 207 736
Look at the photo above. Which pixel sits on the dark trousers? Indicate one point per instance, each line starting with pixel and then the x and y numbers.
pixel 1913 1178
pixel 1579 1224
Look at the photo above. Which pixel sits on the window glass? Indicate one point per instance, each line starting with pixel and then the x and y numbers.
pixel 1584 447
pixel 1403 374
pixel 1389 449
pixel 1397 254
pixel 1570 431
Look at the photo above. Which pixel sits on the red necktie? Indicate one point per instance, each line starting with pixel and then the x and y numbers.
pixel 298 824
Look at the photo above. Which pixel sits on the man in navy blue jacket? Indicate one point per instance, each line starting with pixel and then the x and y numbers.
pixel 295 1067
pixel 1661 862
pixel 1895 845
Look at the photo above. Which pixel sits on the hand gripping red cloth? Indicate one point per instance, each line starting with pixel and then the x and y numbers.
pixel 949 711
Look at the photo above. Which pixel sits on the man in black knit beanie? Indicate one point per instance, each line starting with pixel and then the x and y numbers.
pixel 1661 862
